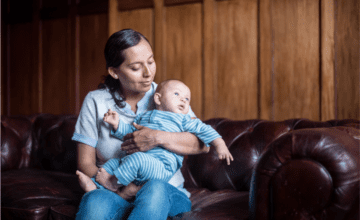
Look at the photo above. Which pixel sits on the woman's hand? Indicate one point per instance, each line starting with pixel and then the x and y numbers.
pixel 143 139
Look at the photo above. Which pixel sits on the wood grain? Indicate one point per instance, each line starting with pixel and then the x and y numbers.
pixel 126 5
pixel 141 20
pixel 209 57
pixel 327 61
pixel 296 57
pixel 266 61
pixel 22 81
pixel 92 37
pixel 58 82
pixel 237 73
pixel 159 39
pixel 112 16
pixel 180 2
pixel 183 49
pixel 347 58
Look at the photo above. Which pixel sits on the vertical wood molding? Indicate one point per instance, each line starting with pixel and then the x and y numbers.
pixel 113 15
pixel 347 58
pixel 209 61
pixel 160 39
pixel 265 53
pixel 78 102
pixel 327 60
pixel 37 58
pixel 8 96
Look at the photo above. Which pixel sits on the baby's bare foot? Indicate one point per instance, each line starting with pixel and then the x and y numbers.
pixel 128 192
pixel 85 182
pixel 106 180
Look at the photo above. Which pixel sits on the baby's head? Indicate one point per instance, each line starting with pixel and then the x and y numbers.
pixel 173 96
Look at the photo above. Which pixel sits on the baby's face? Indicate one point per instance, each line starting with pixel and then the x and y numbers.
pixel 175 97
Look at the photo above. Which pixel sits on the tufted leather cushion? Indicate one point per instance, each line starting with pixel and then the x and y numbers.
pixel 38 162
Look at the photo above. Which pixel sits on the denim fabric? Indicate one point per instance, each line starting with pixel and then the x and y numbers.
pixel 156 200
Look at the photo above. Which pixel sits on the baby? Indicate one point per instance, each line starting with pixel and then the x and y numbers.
pixel 172 100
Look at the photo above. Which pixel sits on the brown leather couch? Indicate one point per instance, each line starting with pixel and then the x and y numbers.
pixel 293 169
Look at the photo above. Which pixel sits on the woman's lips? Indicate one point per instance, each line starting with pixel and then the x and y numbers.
pixel 146 83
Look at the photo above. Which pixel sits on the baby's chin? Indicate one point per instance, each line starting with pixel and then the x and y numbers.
pixel 178 111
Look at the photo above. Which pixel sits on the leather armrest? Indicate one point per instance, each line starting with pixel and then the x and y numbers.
pixel 307 174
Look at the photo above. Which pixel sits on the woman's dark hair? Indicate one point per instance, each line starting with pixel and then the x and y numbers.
pixel 114 48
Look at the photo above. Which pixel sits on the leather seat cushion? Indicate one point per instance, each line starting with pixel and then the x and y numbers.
pixel 35 194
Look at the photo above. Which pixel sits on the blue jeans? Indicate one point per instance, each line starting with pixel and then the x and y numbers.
pixel 155 200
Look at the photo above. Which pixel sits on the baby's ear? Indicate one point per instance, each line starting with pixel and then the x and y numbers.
pixel 157 98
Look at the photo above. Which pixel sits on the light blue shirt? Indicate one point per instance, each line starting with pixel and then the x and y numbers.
pixel 91 130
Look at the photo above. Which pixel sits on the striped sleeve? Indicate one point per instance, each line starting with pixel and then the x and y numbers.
pixel 123 129
pixel 203 131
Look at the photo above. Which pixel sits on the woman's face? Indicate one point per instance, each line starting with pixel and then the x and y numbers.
pixel 138 70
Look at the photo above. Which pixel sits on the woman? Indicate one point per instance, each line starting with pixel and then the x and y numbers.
pixel 128 89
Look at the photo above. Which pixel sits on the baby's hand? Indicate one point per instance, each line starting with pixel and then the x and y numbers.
pixel 112 118
pixel 224 153
pixel 222 150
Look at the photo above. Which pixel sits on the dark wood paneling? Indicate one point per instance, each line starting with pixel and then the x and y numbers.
pixel 22 81
pixel 55 3
pixel 4 59
pixel 183 49
pixel 54 13
pixel 92 39
pixel 296 56
pixel 180 2
pixel 347 58
pixel 327 60
pixel 237 59
pixel 18 11
pixel 93 7
pixel 58 80
pixel 125 5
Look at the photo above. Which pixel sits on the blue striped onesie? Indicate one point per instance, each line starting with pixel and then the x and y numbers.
pixel 157 163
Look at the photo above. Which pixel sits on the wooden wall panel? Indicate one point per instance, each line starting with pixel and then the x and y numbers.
pixel 58 81
pixel 266 62
pixel 296 57
pixel 209 59
pixel 237 73
pixel 327 61
pixel 141 20
pixel 22 80
pixel 183 50
pixel 242 59
pixel 92 39
pixel 4 66
pixel 347 58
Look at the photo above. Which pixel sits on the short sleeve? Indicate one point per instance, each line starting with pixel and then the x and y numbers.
pixel 86 129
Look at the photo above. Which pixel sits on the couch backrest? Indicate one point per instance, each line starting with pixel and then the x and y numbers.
pixel 40 141
pixel 43 141
pixel 246 141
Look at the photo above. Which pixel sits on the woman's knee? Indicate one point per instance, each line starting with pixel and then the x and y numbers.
pixel 153 190
pixel 100 204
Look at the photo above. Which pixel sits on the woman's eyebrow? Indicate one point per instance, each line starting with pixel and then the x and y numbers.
pixel 139 62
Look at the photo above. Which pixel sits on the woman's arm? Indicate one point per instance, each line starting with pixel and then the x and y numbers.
pixel 86 160
pixel 145 139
